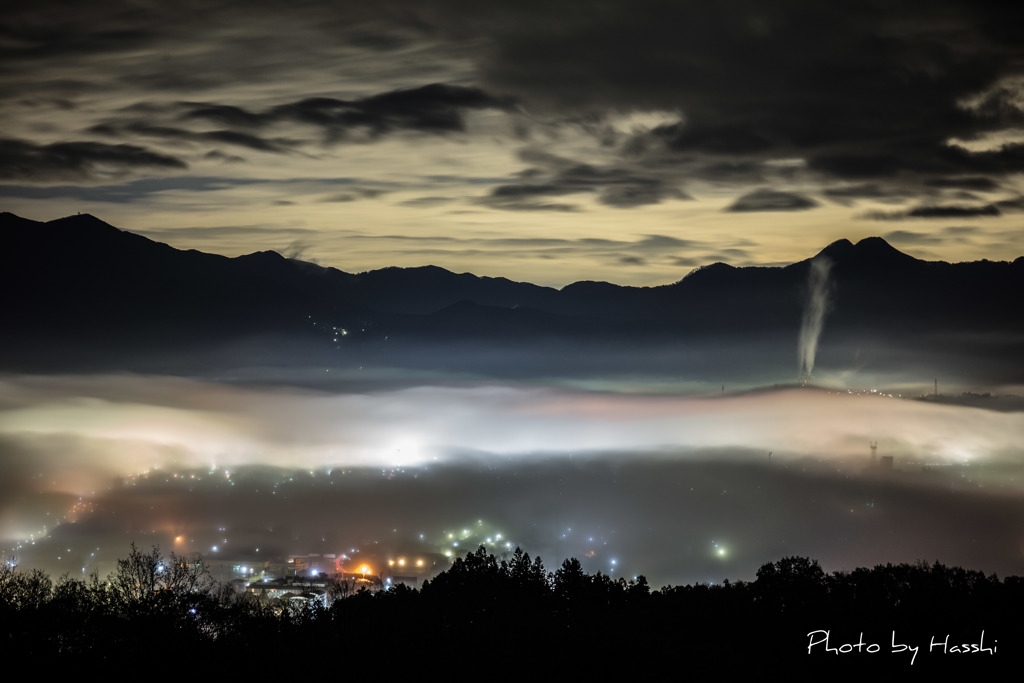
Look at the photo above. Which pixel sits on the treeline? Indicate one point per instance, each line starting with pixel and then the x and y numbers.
pixel 513 612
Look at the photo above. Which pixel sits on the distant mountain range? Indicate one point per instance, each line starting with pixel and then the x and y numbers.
pixel 81 294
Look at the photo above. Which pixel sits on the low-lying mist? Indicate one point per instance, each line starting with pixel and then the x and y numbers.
pixel 679 488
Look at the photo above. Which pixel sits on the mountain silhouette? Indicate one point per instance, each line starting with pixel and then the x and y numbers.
pixel 81 292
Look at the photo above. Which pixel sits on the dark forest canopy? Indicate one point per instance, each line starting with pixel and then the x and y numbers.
pixel 564 619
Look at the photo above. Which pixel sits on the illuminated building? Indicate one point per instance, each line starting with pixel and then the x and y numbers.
pixel 412 569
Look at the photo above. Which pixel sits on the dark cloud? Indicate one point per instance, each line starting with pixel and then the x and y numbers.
pixel 622 185
pixel 355 194
pixel 525 205
pixel 219 231
pixel 61 103
pixel 29 162
pixel 223 115
pixel 421 202
pixel 638 194
pixel 449 179
pixel 869 100
pixel 245 140
pixel 974 184
pixel 521 198
pixel 924 238
pixel 617 187
pixel 934 158
pixel 657 251
pixel 434 108
pixel 298 250
pixel 126 192
pixel 962 195
pixel 742 172
pixel 715 139
pixel 772 200
pixel 647 243
pixel 859 166
pixel 859 91
pixel 665 242
pixel 862 191
pixel 230 137
pixel 218 155
pixel 939 212
pixel 524 198
pixel 1011 205
pixel 518 191
pixel 142 188
pixel 730 255
pixel 952 211
pixel 59 38
pixel 961 230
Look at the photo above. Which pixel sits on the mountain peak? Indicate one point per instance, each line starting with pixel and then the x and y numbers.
pixel 83 226
pixel 840 244
pixel 81 219
pixel 878 249
pixel 837 250
pixel 868 250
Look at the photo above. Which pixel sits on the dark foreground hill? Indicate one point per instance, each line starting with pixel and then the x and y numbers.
pixel 81 294
pixel 511 618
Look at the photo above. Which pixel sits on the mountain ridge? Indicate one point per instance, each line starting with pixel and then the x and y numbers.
pixel 840 249
pixel 83 285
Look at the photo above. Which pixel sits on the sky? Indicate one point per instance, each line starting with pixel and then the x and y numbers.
pixel 547 142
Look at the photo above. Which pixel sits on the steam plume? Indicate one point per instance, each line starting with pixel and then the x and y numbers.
pixel 814 315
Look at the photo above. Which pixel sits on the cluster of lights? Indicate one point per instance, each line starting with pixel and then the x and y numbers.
pixel 78 509
pixel 334 331
pixel 866 392
pixel 401 562
pixel 454 539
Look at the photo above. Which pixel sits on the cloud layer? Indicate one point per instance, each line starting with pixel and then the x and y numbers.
pixel 652 482
pixel 497 120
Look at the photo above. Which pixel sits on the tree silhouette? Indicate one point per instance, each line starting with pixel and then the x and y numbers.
pixel 137 577
pixel 791 585
pixel 570 580
pixel 146 582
